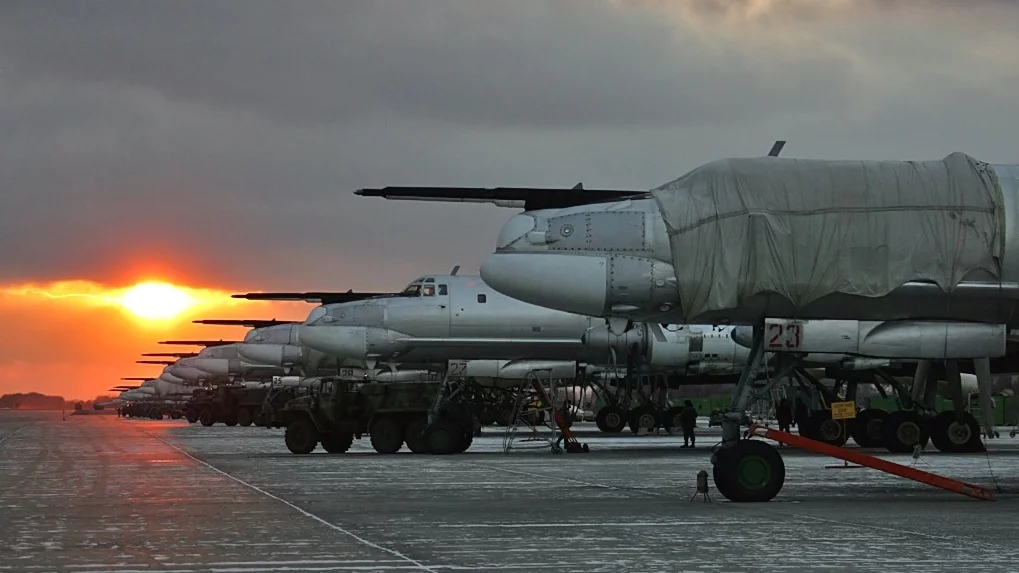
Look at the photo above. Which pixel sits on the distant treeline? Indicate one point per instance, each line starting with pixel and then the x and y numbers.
pixel 37 401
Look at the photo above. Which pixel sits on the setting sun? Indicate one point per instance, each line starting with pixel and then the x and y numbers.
pixel 155 301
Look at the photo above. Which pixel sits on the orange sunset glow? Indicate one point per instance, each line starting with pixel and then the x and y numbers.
pixel 77 338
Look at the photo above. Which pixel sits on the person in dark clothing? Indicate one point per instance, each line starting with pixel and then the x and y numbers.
pixel 802 414
pixel 688 421
pixel 784 415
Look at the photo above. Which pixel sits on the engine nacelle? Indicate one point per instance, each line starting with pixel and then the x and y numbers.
pixel 892 339
pixel 511 369
pixel 600 338
pixel 719 368
pixel 670 348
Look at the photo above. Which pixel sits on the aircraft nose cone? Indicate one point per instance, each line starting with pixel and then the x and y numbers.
pixel 341 341
pixel 265 354
pixel 570 283
pixel 213 366
pixel 743 335
pixel 178 374
pixel 171 377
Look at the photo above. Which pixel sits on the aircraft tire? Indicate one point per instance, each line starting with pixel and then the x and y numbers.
pixel 611 419
pixel 301 436
pixel 386 435
pixel 643 420
pixel 206 417
pixel 337 443
pixel 414 435
pixel 904 429
pixel 750 471
pixel 244 417
pixel 444 437
pixel 950 435
pixel 828 431
pixel 867 428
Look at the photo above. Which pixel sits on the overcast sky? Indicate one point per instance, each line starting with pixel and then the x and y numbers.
pixel 224 140
pixel 220 143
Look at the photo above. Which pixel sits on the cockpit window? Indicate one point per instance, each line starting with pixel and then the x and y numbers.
pixel 430 280
pixel 429 290
pixel 414 290
pixel 442 290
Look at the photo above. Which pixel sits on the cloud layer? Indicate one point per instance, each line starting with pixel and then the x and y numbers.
pixel 219 143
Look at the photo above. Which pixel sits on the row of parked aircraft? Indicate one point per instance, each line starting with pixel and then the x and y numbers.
pixel 612 282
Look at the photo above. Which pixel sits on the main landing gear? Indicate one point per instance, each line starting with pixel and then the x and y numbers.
pixel 749 470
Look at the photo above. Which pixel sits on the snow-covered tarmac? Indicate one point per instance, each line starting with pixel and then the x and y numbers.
pixel 94 493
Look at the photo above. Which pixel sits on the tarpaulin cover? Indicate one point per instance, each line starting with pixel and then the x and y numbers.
pixel 808 228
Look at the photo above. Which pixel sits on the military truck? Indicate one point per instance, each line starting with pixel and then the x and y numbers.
pixel 231 404
pixel 337 410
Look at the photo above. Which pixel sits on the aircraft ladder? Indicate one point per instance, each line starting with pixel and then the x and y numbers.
pixel 949 484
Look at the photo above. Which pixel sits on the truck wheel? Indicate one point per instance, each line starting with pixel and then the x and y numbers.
pixel 337 443
pixel 466 441
pixel 444 437
pixel 301 436
pixel 191 415
pixel 386 435
pixel 206 417
pixel 672 420
pixel 244 417
pixel 414 435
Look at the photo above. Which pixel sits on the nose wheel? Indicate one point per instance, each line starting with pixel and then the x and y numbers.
pixel 748 471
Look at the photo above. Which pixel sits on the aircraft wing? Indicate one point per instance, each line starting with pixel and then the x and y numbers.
pixel 199 342
pixel 316 297
pixel 527 198
pixel 137 378
pixel 172 354
pixel 163 362
pixel 249 322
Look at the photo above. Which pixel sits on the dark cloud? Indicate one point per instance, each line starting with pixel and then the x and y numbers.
pixel 466 62
pixel 222 141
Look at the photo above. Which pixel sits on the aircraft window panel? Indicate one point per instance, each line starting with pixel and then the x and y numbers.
pixel 443 290
pixel 430 280
pixel 429 290
pixel 482 298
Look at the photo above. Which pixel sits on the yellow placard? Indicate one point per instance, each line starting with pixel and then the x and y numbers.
pixel 843 410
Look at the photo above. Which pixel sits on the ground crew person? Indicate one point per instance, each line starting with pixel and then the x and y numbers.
pixel 802 414
pixel 784 415
pixel 688 420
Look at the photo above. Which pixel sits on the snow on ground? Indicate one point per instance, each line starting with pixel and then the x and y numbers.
pixel 96 493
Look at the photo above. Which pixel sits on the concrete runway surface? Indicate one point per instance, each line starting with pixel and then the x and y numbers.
pixel 96 493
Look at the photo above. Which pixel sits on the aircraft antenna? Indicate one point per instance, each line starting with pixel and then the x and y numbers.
pixel 776 148
pixel 455 270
